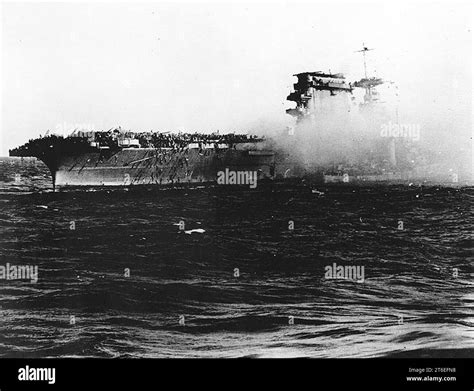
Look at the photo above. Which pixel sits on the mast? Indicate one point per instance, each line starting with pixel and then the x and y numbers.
pixel 368 83
pixel 371 98
pixel 364 50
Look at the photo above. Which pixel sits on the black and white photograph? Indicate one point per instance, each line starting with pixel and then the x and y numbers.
pixel 204 180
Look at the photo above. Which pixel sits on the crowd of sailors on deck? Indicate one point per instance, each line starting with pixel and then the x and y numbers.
pixel 115 138
pixel 166 140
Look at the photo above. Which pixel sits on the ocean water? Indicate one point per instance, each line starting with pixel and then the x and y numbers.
pixel 242 284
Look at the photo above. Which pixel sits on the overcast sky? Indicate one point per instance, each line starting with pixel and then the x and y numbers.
pixel 205 67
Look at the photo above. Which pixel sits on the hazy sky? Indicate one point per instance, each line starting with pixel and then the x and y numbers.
pixel 204 66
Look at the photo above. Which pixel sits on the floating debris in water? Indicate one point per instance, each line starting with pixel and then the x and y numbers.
pixel 197 230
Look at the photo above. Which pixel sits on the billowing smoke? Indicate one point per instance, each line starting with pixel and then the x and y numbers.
pixel 344 136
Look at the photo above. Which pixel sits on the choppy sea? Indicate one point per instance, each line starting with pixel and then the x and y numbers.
pixel 244 275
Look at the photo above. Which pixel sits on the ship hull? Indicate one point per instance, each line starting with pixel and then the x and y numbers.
pixel 143 166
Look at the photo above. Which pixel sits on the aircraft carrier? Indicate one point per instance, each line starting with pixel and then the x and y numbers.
pixel 117 158
pixel 123 158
